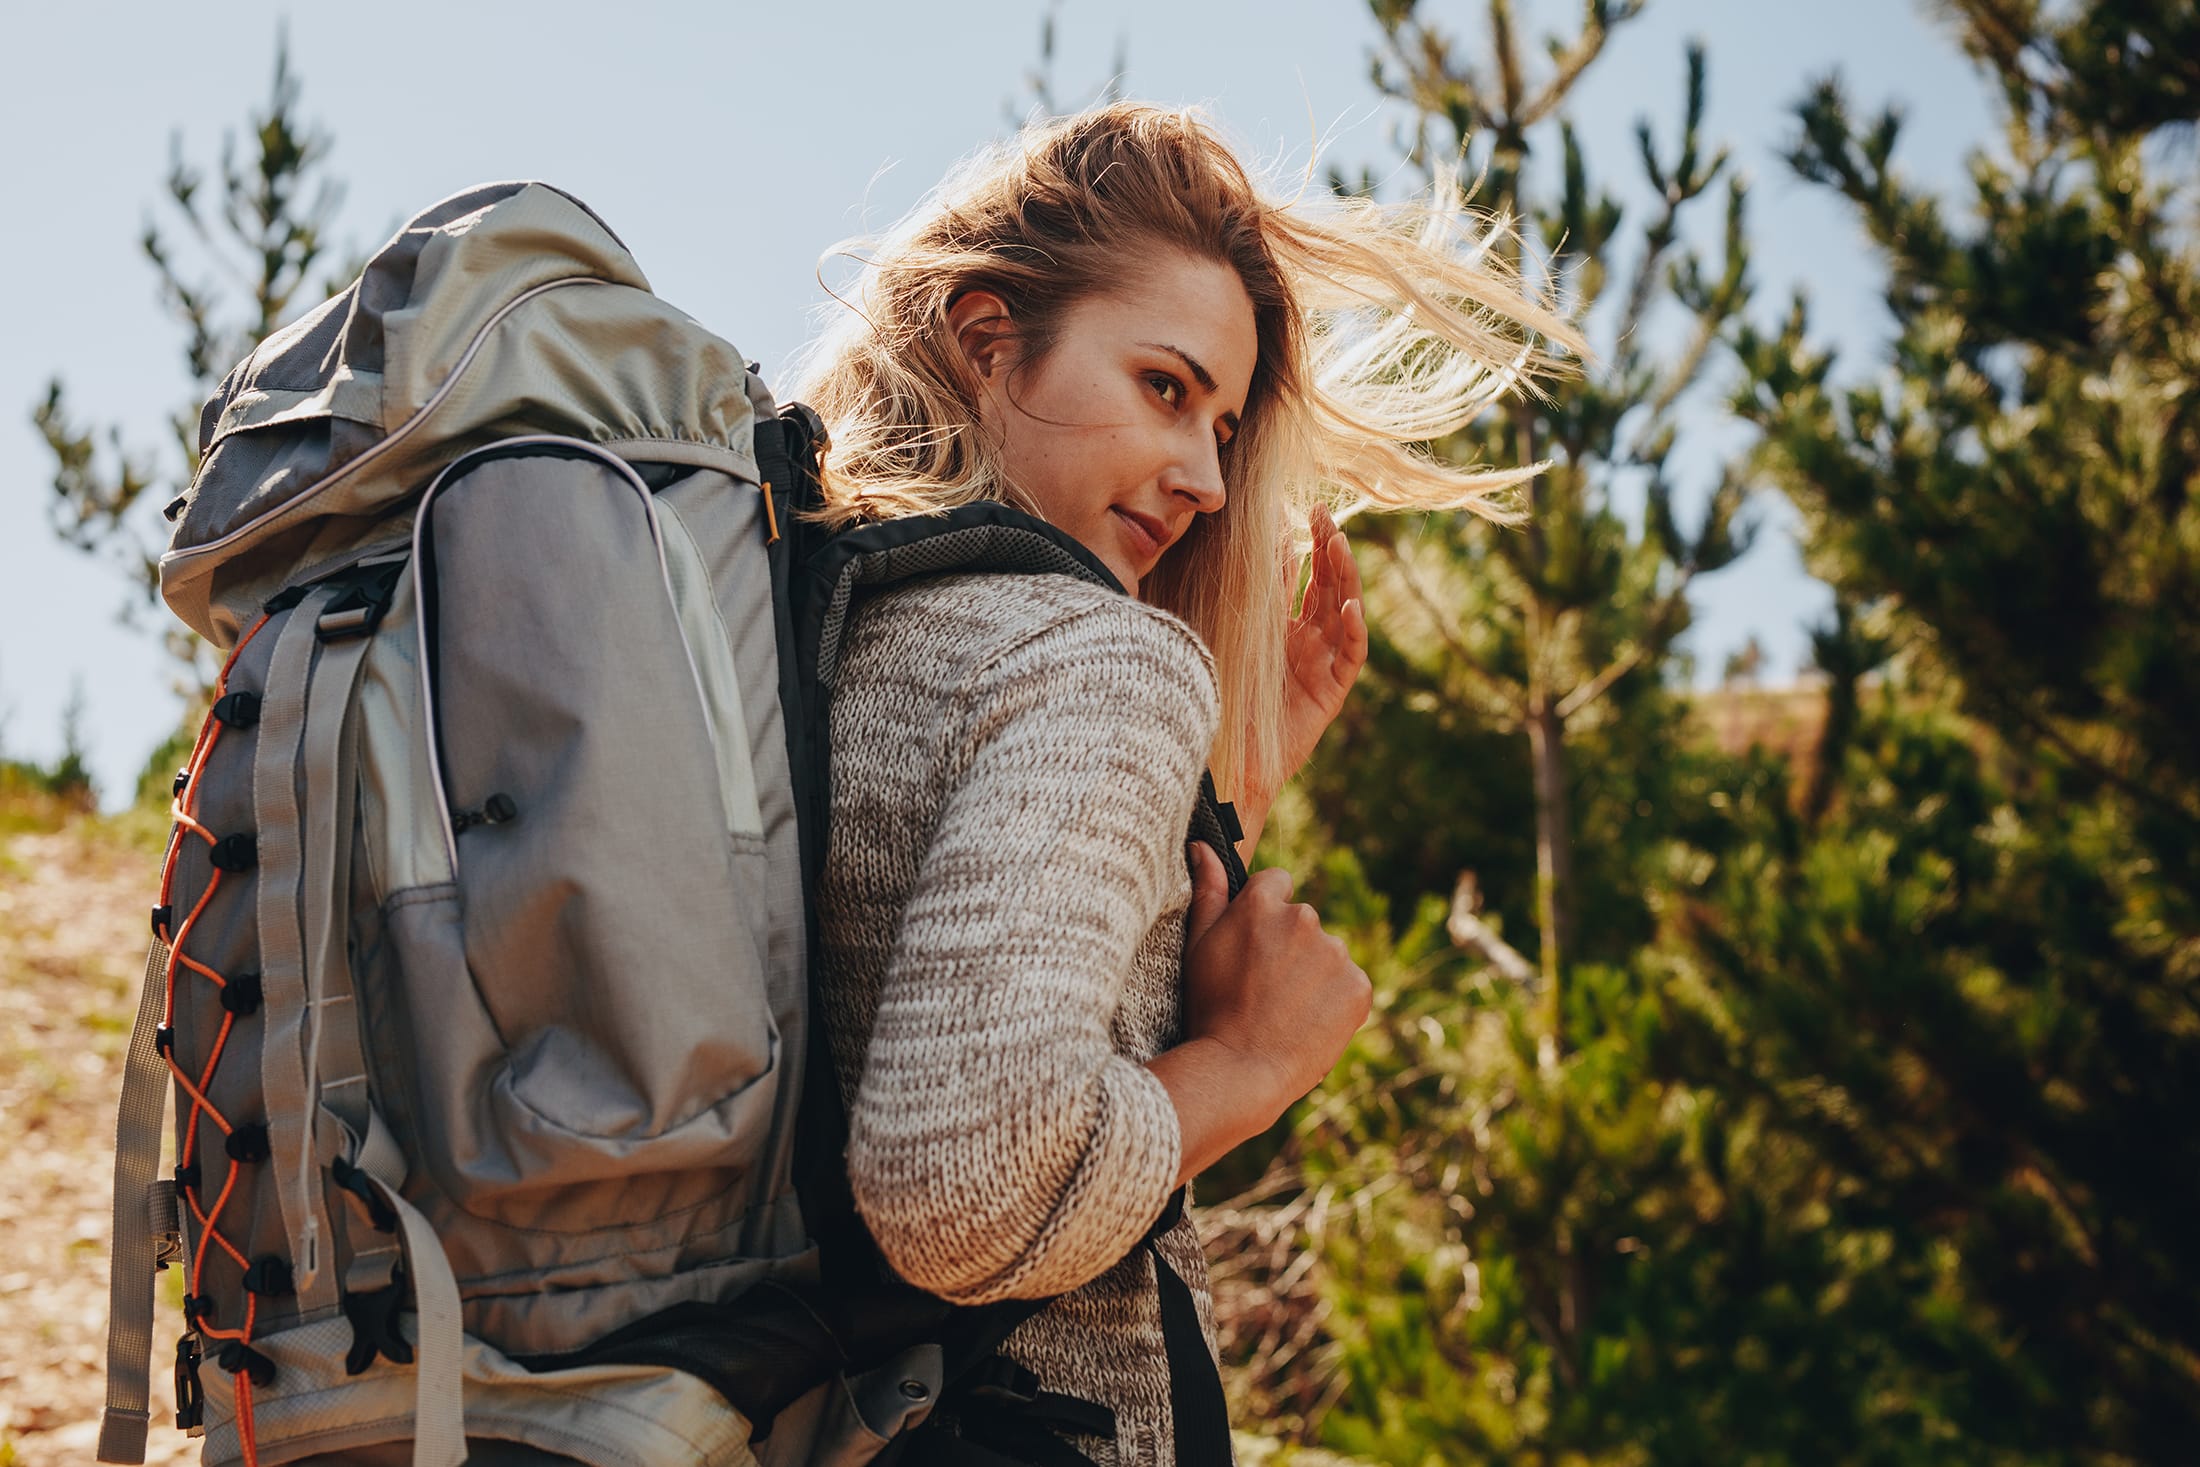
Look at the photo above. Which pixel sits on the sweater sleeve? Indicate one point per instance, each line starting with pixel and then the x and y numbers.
pixel 999 1147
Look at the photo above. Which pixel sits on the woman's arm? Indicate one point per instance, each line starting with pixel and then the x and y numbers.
pixel 999 1146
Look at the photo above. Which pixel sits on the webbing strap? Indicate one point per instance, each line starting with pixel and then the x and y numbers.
pixel 439 1408
pixel 373 1258
pixel 324 894
pixel 1202 1416
pixel 128 1413
pixel 275 816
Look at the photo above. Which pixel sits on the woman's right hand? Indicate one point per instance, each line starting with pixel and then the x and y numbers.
pixel 1270 1001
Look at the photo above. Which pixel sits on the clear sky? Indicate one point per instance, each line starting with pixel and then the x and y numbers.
pixel 731 144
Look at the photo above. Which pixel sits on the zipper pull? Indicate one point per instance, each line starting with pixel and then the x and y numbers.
pixel 495 810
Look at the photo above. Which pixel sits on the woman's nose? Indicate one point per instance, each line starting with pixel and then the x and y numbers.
pixel 1197 476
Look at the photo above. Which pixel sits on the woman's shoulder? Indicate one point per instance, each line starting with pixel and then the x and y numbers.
pixel 990 622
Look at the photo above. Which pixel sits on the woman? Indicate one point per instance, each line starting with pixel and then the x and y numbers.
pixel 1044 1022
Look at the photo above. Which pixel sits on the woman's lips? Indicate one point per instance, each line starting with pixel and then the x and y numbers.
pixel 1147 536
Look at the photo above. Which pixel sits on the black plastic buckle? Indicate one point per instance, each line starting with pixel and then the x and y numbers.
pixel 813 426
pixel 374 1327
pixel 1002 1379
pixel 239 1358
pixel 238 710
pixel 360 606
pixel 247 1144
pixel 380 1215
pixel 270 1277
pixel 241 994
pixel 190 1400
pixel 236 852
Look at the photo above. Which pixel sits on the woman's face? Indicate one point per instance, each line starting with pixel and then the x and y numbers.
pixel 1116 435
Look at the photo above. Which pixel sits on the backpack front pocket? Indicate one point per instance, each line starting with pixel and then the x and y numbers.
pixel 607 925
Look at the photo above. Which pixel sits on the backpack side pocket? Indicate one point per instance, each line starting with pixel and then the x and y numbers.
pixel 608 927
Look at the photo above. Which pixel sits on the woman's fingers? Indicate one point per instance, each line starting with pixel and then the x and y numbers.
pixel 1348 569
pixel 1328 639
pixel 1321 591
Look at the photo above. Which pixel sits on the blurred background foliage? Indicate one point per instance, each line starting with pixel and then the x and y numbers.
pixel 1778 1077
pixel 1758 1075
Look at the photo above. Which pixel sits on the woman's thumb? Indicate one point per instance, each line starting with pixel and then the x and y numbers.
pixel 1210 894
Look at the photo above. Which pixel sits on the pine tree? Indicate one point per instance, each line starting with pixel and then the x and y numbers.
pixel 1546 633
pixel 1971 987
pixel 233 260
pixel 1499 1238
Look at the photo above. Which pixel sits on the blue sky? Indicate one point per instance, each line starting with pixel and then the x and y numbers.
pixel 730 145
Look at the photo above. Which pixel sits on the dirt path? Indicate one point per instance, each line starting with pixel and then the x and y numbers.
pixel 72 942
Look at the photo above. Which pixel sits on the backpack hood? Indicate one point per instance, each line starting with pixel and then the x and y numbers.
pixel 504 309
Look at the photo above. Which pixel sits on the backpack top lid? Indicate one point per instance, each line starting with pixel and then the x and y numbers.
pixel 508 308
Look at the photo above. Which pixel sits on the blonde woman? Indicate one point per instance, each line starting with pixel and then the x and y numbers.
pixel 1046 1017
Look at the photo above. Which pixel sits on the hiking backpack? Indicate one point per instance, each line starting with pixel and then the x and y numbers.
pixel 481 961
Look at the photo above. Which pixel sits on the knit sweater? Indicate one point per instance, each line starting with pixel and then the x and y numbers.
pixel 1015 759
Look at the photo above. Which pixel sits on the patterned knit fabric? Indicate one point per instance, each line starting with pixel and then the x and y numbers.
pixel 1015 761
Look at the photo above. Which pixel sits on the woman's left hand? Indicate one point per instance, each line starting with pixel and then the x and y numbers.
pixel 1325 646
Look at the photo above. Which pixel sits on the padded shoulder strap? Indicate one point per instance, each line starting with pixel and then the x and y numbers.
pixel 972 538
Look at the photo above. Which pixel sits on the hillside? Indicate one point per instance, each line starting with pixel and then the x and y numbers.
pixel 73 893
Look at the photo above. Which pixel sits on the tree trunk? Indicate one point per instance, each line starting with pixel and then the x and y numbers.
pixel 1554 854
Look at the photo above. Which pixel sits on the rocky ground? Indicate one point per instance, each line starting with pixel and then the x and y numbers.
pixel 73 893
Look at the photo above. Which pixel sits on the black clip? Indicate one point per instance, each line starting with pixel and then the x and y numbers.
pixel 190 1400
pixel 358 609
pixel 374 1330
pixel 239 1358
pixel 1002 1379
pixel 270 1277
pixel 238 852
pixel 380 1215
pixel 239 709
pixel 241 994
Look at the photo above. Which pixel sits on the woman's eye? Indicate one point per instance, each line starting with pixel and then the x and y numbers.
pixel 1171 391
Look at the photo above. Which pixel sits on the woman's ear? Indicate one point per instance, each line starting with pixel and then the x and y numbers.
pixel 985 333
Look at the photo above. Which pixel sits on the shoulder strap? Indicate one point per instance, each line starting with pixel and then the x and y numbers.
pixel 134 1256
pixel 825 577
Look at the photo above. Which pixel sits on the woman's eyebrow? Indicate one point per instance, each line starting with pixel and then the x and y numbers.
pixel 1200 374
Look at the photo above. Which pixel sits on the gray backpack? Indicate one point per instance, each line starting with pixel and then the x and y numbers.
pixel 480 957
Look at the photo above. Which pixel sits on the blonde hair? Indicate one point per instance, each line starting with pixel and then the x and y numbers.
pixel 1379 328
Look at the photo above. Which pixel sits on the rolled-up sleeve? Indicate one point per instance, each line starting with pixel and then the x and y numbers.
pixel 999 1146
